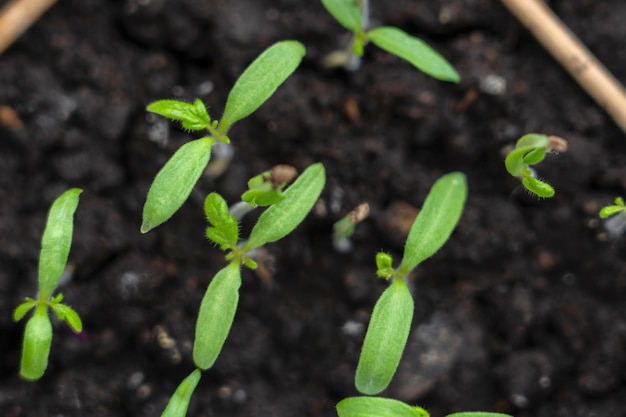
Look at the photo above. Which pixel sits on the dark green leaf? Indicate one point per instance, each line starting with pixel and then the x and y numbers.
pixel 56 241
pixel 174 182
pixel 346 12
pixel 375 407
pixel 415 51
pixel 436 221
pixel 36 348
pixel 192 116
pixel 385 339
pixel 178 404
pixel 539 188
pixel 225 230
pixel 216 315
pixel 260 80
pixel 283 217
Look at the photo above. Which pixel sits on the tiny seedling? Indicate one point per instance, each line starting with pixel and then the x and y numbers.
pixel 387 407
pixel 389 38
pixel 174 182
pixel 529 150
pixel 615 216
pixel 344 227
pixel 286 210
pixel 55 249
pixel 390 323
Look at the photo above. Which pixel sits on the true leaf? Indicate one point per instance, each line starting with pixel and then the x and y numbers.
pixel 22 309
pixel 375 407
pixel 174 182
pixel 346 12
pixel 225 229
pixel 260 80
pixel 192 116
pixel 36 348
pixel 283 217
pixel 436 221
pixel 415 51
pixel 385 339
pixel 178 404
pixel 539 188
pixel 56 241
pixel 69 315
pixel 216 315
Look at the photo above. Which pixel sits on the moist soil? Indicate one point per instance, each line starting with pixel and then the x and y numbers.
pixel 521 312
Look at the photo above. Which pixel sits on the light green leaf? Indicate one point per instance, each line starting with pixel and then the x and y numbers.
pixel 225 230
pixel 178 404
pixel 375 407
pixel 174 182
pixel 478 414
pixel 539 188
pixel 283 217
pixel 346 12
pixel 436 220
pixel 534 140
pixel 69 315
pixel 415 51
pixel 385 339
pixel 36 348
pixel 260 80
pixel 384 267
pixel 56 241
pixel 21 310
pixel 514 161
pixel 605 212
pixel 192 116
pixel 216 315
pixel 535 156
pixel 619 201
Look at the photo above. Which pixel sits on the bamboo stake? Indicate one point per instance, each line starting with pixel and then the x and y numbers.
pixel 566 48
pixel 16 16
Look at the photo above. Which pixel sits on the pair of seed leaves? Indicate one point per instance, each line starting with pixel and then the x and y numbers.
pixel 55 247
pixel 174 182
pixel 529 150
pixel 392 40
pixel 219 304
pixel 387 407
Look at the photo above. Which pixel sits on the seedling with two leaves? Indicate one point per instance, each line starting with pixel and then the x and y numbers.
pixel 55 249
pixel 286 210
pixel 389 38
pixel 615 215
pixel 529 150
pixel 174 182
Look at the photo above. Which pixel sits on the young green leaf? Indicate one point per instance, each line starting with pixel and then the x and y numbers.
pixel 385 339
pixel 174 182
pixel 69 315
pixel 216 315
pixel 192 116
pixel 376 407
pixel 346 12
pixel 415 51
pixel 436 221
pixel 56 241
pixel 23 308
pixel 178 404
pixel 605 212
pixel 260 80
pixel 539 188
pixel 514 161
pixel 225 229
pixel 478 414
pixel 384 265
pixel 283 217
pixel 535 156
pixel 36 348
pixel 534 140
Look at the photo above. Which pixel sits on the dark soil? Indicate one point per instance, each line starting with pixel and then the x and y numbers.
pixel 522 311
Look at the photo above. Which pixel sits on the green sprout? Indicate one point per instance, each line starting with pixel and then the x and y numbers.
pixel 611 210
pixel 390 323
pixel 616 217
pixel 389 38
pixel 55 249
pixel 174 182
pixel 219 303
pixel 387 407
pixel 529 150
pixel 344 227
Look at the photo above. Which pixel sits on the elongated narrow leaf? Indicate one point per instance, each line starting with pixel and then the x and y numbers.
pixel 192 116
pixel 375 407
pixel 36 348
pixel 436 221
pixel 514 161
pixel 225 229
pixel 56 241
pixel 216 315
pixel 260 80
pixel 178 404
pixel 478 414
pixel 283 217
pixel 346 12
pixel 385 339
pixel 605 212
pixel 539 188
pixel 174 182
pixel 415 51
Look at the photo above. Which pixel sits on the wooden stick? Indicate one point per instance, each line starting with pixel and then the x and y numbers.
pixel 573 55
pixel 17 15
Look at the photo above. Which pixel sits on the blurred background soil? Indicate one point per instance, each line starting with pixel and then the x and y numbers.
pixel 521 312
